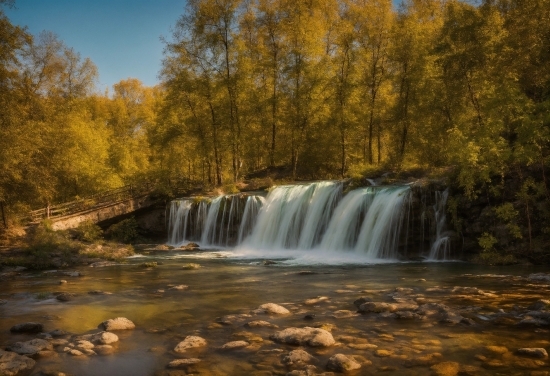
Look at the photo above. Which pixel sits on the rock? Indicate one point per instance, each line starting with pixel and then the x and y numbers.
pixel 314 337
pixel 62 282
pixel 343 314
pixel 362 300
pixel 27 327
pixel 377 307
pixel 540 305
pixel 44 335
pixel 534 352
pixel 383 353
pixel 119 323
pixel 190 266
pixel 183 363
pixel 102 264
pixel 99 292
pixel 273 309
pixel 298 357
pixel 31 347
pixel 74 352
pixel 84 345
pixel 2 301
pixel 190 342
pixel 316 300
pixel 105 338
pixel 233 345
pixel 260 324
pixel 539 277
pixel 446 369
pixel 65 297
pixel 231 319
pixel 179 287
pixel 497 349
pixel 11 364
pixel 59 342
pixel 58 333
pixel 104 349
pixel 268 262
pixel 342 363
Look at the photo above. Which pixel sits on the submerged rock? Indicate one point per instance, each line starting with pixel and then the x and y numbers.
pixel 298 357
pixel 31 347
pixel 101 338
pixel 27 327
pixel 446 369
pixel 183 363
pixel 260 324
pixel 119 323
pixel 342 363
pixel 190 342
pixel 314 337
pixel 65 297
pixel 11 364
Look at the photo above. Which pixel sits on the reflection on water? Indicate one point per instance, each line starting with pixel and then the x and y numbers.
pixel 229 284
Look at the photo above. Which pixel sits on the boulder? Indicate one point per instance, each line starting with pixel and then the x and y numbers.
pixel 27 327
pixel 298 357
pixel 119 323
pixel 534 352
pixel 314 337
pixel 65 297
pixel 190 342
pixel 377 307
pixel 342 363
pixel 31 347
pixel 272 309
pixel 11 364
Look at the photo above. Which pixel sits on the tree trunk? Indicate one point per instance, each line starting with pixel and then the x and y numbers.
pixel 3 214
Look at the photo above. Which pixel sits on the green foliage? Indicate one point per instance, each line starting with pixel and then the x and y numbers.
pixel 507 213
pixel 495 258
pixel 125 231
pixel 88 231
pixel 487 242
pixel 148 265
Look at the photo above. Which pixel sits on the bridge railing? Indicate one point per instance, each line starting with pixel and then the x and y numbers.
pixel 91 202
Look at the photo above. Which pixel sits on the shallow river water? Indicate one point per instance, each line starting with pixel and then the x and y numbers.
pixel 484 342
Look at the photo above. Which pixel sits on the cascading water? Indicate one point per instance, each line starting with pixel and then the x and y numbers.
pixel 294 216
pixel 441 247
pixel 369 221
pixel 373 222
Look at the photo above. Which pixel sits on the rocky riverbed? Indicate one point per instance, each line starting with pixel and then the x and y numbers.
pixel 156 315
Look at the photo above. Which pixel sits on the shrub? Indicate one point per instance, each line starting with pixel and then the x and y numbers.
pixel 125 231
pixel 88 231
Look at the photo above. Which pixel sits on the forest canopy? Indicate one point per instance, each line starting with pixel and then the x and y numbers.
pixel 323 88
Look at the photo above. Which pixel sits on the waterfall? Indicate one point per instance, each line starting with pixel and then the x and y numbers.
pixel 441 247
pixel 294 216
pixel 251 209
pixel 178 220
pixel 368 221
pixel 375 222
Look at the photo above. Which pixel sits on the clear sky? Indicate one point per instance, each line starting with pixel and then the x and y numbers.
pixel 122 37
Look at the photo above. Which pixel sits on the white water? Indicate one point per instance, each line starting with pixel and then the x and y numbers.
pixel 441 245
pixel 308 221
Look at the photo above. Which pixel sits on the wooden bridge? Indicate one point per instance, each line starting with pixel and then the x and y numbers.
pixel 103 206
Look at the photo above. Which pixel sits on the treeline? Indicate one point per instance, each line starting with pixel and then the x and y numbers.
pixel 324 88
pixel 332 86
pixel 59 138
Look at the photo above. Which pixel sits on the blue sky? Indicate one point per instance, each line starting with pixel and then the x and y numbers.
pixel 122 37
